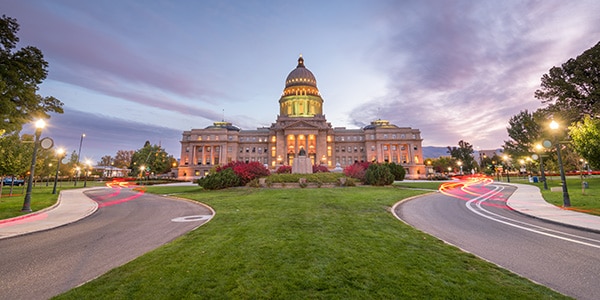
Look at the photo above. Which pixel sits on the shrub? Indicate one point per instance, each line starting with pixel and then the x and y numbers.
pixel 356 170
pixel 246 171
pixel 379 175
pixel 320 169
pixel 220 180
pixel 285 169
pixel 397 170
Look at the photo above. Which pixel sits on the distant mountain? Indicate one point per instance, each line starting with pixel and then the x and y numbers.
pixel 434 152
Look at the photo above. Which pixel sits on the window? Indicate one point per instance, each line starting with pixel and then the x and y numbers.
pixel 385 136
pixel 230 138
pixel 229 149
pixel 349 149
pixel 247 150
pixel 403 136
pixel 200 149
pixel 372 148
pixel 187 149
pixel 385 147
pixel 394 136
pixel 355 149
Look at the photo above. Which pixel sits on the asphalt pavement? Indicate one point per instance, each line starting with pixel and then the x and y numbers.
pixel 73 205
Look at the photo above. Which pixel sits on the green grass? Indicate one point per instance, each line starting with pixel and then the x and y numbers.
pixel 425 185
pixel 335 243
pixel 41 197
pixel 587 201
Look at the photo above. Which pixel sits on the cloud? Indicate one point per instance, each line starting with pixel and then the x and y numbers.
pixel 105 135
pixel 460 69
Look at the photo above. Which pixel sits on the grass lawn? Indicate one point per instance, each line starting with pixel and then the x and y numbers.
pixel 41 197
pixel 587 201
pixel 334 243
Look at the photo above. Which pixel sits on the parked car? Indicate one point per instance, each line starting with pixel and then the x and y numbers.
pixel 12 181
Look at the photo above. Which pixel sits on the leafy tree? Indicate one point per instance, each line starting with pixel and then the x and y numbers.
pixel 152 157
pixel 16 154
pixel 21 72
pixel 123 159
pixel 586 140
pixel 441 164
pixel 106 160
pixel 524 132
pixel 463 153
pixel 573 89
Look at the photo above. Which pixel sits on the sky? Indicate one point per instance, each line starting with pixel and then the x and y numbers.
pixel 135 71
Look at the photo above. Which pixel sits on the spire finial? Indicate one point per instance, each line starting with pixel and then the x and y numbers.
pixel 300 61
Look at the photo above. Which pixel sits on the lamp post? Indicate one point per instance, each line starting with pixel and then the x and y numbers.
pixel 39 125
pixel 459 163
pixel 85 171
pixel 505 157
pixel 79 156
pixel 142 168
pixel 566 199
pixel 59 154
pixel 543 178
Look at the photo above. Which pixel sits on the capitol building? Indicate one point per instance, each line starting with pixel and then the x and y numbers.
pixel 300 124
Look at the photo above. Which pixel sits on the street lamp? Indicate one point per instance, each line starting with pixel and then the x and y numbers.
pixel 505 157
pixel 142 168
pixel 59 154
pixel 539 149
pixel 39 125
pixel 566 199
pixel 459 163
pixel 79 156
pixel 88 163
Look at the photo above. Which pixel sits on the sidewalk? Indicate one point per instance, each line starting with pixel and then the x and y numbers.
pixel 527 199
pixel 72 205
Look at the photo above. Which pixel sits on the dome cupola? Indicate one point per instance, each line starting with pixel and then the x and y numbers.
pixel 301 97
pixel 301 76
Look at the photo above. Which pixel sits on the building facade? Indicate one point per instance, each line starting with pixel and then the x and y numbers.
pixel 300 124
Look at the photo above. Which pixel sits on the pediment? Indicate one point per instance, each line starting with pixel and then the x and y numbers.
pixel 301 125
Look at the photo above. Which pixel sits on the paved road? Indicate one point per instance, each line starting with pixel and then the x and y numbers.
pixel 127 225
pixel 477 220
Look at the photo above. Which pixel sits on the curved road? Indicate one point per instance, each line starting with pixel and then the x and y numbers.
pixel 476 219
pixel 126 225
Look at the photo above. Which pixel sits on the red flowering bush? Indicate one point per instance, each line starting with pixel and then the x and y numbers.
pixel 357 170
pixel 319 169
pixel 246 171
pixel 285 169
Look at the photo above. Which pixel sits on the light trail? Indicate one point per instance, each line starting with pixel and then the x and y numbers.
pixel 483 192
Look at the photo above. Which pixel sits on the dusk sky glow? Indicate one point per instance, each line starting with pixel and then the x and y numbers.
pixel 130 71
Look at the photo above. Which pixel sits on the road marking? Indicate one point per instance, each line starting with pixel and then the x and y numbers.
pixel 192 218
pixel 478 200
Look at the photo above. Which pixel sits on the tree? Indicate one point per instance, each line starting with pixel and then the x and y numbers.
pixel 463 153
pixel 152 158
pixel 573 90
pixel 524 132
pixel 123 158
pixel 106 160
pixel 21 72
pixel 586 140
pixel 16 154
